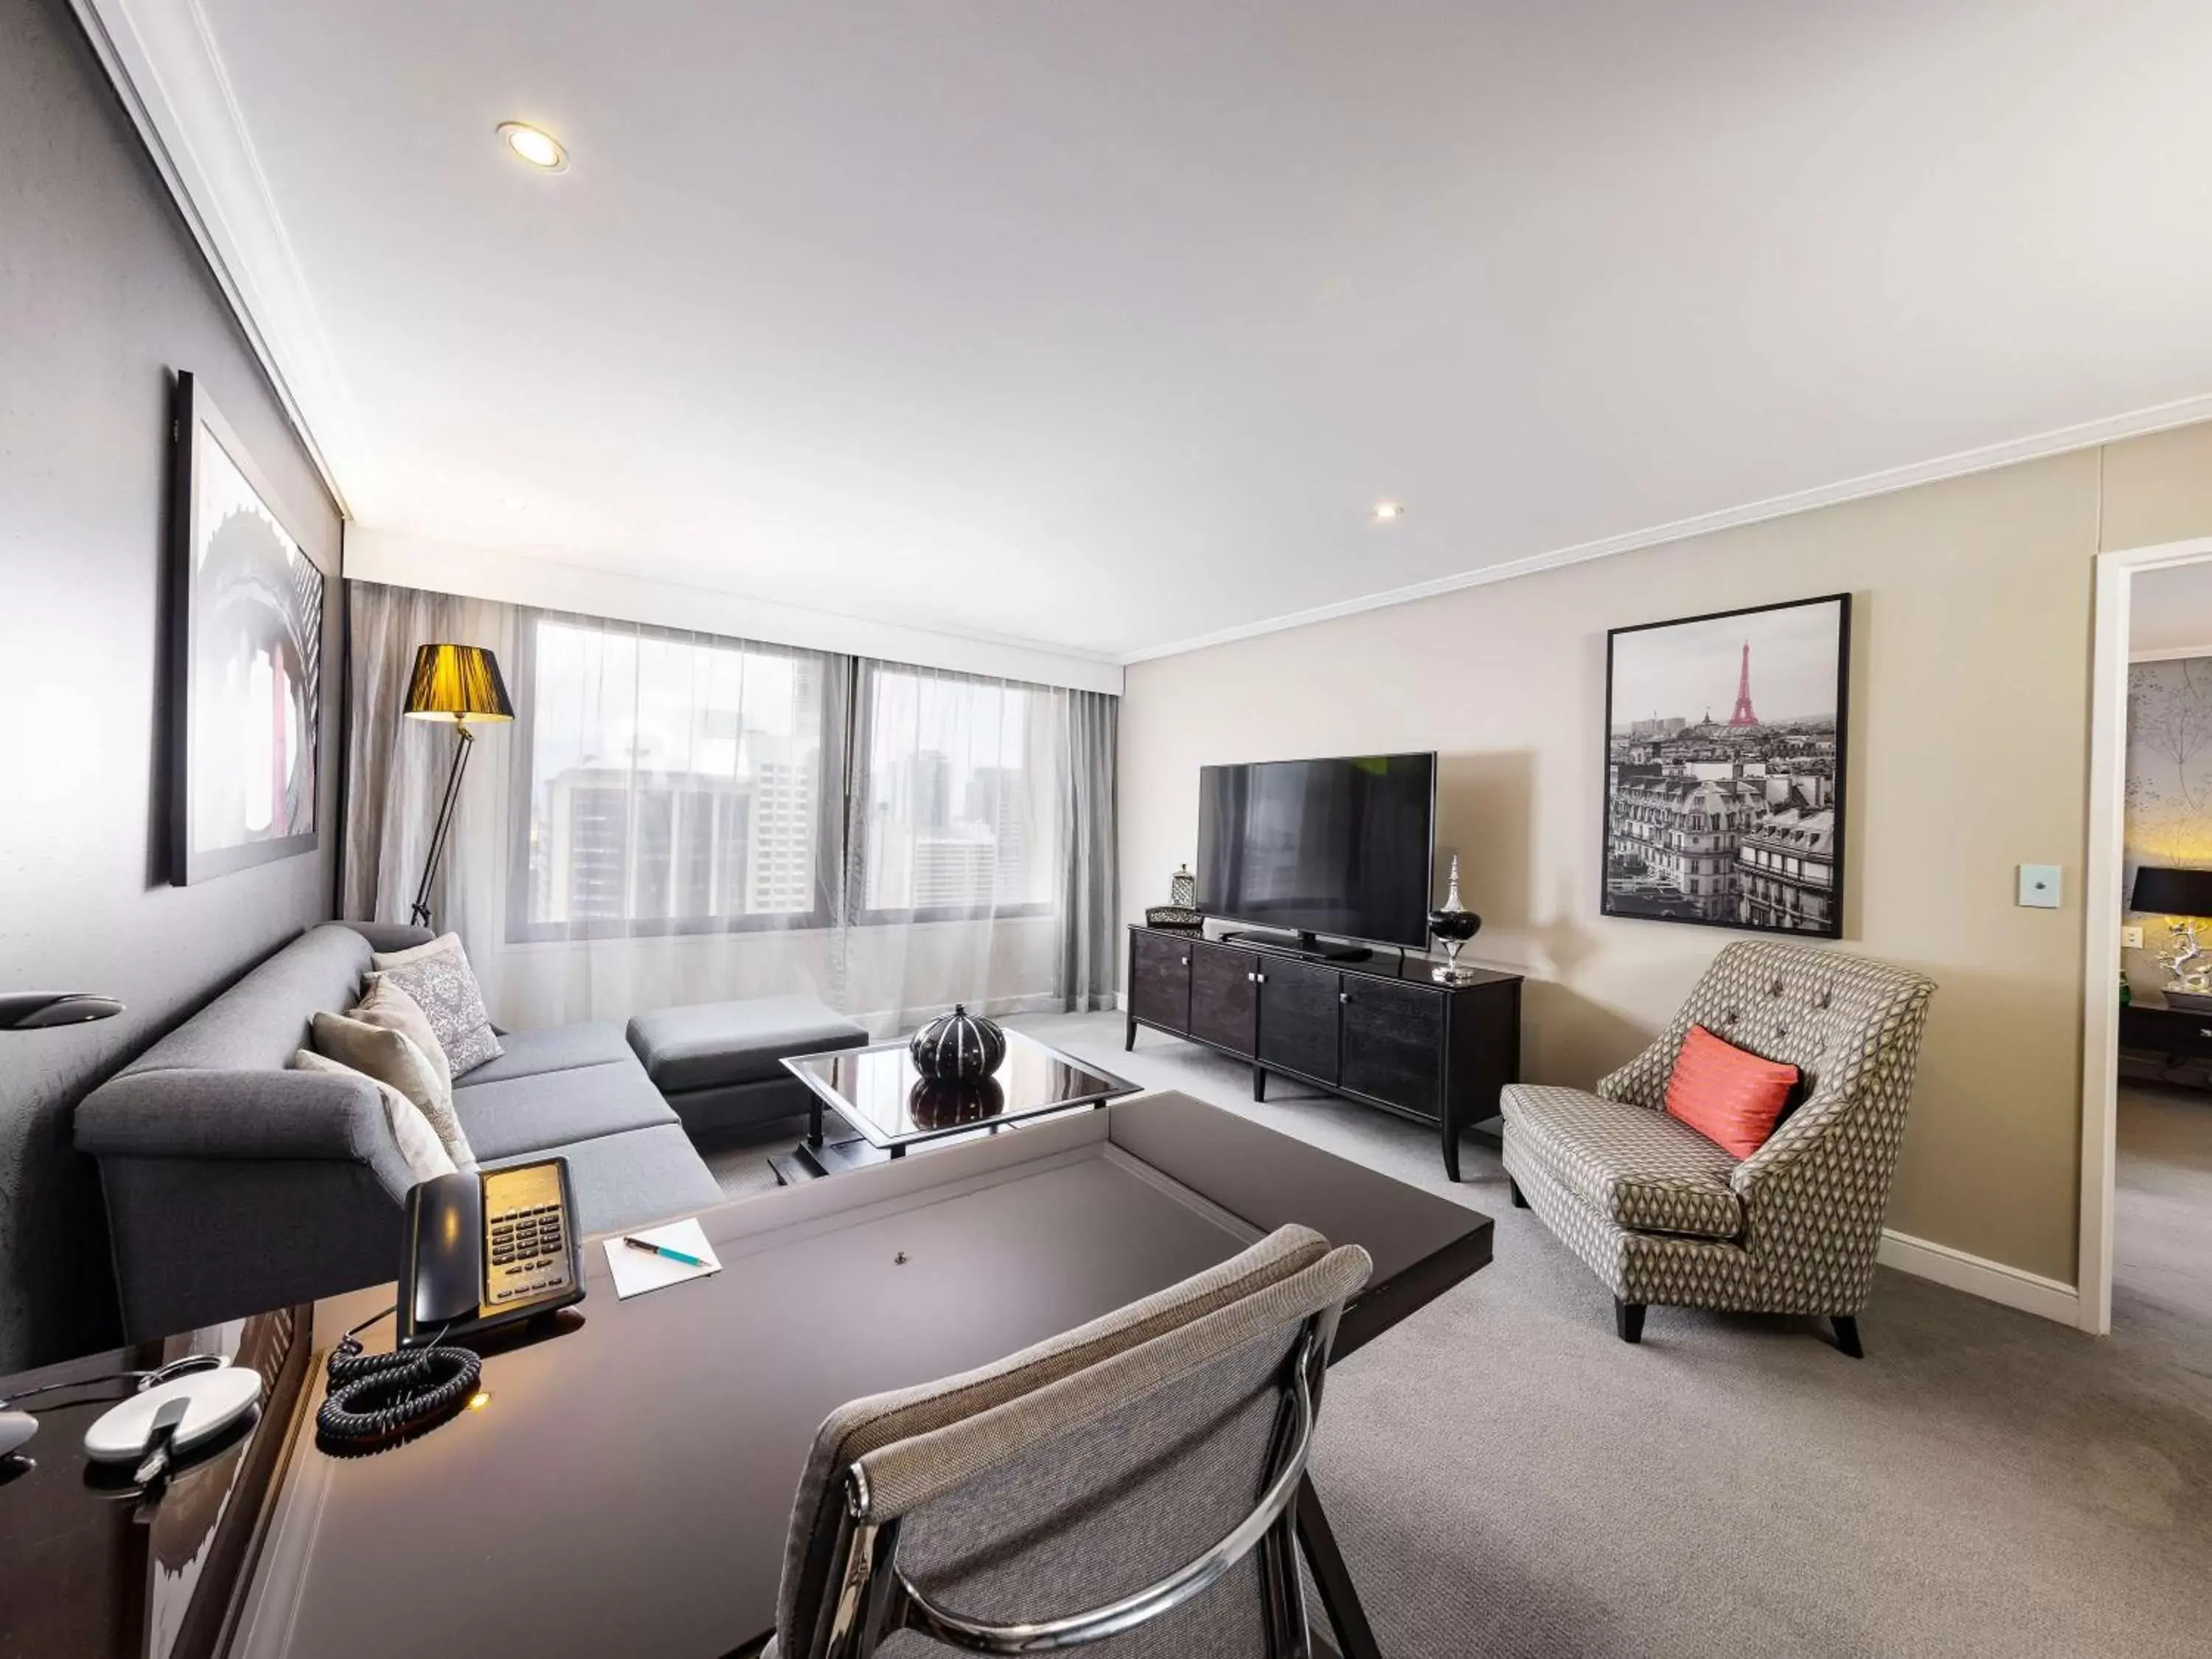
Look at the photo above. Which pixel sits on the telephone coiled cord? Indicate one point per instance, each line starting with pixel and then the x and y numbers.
pixel 375 1399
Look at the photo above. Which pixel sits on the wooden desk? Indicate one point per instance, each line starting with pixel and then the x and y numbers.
pixel 628 1488
pixel 2170 1045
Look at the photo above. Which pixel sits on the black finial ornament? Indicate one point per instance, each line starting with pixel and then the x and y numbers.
pixel 1455 924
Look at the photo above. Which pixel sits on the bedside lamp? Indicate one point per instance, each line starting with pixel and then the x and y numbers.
pixel 460 683
pixel 2182 896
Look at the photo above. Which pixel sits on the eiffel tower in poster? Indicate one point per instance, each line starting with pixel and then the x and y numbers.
pixel 1743 715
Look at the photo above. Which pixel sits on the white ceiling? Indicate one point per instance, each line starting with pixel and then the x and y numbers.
pixel 1102 326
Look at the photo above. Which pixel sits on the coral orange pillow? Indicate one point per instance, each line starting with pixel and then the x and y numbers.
pixel 1732 1098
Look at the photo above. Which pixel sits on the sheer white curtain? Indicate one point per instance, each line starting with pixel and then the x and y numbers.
pixel 678 818
pixel 959 839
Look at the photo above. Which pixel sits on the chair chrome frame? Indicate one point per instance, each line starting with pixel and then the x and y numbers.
pixel 875 1599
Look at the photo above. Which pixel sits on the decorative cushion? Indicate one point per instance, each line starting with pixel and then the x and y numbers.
pixel 391 1057
pixel 386 1004
pixel 419 1149
pixel 437 976
pixel 1732 1097
pixel 1639 1168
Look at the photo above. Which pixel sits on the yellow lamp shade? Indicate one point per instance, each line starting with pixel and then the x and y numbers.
pixel 458 683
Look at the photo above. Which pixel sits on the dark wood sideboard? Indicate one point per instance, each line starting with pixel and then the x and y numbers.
pixel 2172 1045
pixel 1381 1031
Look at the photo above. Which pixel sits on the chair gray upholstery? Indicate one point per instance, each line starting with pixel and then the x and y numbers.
pixel 1664 1216
pixel 1079 1470
pixel 235 1184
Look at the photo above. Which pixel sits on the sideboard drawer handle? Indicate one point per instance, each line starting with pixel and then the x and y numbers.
pixel 1344 996
pixel 1186 961
pixel 1259 979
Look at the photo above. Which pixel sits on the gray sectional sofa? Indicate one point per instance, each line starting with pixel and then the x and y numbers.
pixel 235 1184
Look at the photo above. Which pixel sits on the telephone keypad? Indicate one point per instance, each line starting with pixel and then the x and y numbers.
pixel 525 1240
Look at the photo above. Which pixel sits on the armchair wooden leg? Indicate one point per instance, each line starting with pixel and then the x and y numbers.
pixel 1847 1334
pixel 1513 1188
pixel 1628 1318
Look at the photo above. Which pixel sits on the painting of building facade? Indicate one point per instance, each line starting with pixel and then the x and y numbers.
pixel 1724 769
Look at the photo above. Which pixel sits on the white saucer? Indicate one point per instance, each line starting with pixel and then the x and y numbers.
pixel 218 1398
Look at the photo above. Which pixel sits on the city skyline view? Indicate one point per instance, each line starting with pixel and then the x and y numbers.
pixel 679 782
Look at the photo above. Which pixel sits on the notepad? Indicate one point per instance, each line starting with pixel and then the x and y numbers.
pixel 637 1272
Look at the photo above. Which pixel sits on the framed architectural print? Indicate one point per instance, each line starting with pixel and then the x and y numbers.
pixel 245 659
pixel 1724 769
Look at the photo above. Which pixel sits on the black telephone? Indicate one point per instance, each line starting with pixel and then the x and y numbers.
pixel 486 1248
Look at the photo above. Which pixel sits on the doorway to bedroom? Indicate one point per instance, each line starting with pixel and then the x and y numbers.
pixel 2157 1231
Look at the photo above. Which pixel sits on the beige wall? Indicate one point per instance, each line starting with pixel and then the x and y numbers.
pixel 1969 742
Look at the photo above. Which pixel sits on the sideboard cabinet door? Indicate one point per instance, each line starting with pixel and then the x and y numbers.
pixel 1159 980
pixel 1393 1038
pixel 1298 1016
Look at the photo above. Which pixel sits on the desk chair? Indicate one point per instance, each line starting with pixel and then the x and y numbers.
pixel 1128 1484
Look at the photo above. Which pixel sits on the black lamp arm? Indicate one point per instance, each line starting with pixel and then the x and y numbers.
pixel 465 740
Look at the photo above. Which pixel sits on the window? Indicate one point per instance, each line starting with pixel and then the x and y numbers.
pixel 956 803
pixel 675 783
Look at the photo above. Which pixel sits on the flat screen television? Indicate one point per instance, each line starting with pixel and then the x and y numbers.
pixel 1341 847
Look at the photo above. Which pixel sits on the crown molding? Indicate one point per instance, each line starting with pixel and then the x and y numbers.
pixel 2088 434
pixel 163 62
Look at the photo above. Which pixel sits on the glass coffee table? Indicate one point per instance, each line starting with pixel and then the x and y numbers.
pixel 877 1091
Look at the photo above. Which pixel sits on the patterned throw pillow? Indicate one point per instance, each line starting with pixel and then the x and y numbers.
pixel 424 1154
pixel 437 975
pixel 1732 1097
pixel 391 1057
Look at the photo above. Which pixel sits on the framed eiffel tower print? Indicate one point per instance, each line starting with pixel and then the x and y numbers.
pixel 1725 762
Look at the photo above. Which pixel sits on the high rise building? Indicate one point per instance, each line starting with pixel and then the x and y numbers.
pixel 955 870
pixel 610 847
pixel 780 849
pixel 996 801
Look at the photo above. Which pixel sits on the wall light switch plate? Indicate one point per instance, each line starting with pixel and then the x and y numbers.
pixel 2131 938
pixel 2038 886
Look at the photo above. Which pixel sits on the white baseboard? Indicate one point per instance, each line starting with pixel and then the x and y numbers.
pixel 1978 1276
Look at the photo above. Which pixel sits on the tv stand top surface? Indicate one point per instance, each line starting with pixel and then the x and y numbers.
pixel 1308 945
pixel 1414 968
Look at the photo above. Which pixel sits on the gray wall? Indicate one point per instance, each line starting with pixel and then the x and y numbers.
pixel 102 297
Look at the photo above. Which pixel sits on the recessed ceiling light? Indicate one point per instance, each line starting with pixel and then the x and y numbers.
pixel 534 145
pixel 1386 510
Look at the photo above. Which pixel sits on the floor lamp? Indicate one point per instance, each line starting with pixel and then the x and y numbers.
pixel 461 683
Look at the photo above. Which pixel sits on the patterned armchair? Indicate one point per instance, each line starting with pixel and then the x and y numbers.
pixel 1663 1215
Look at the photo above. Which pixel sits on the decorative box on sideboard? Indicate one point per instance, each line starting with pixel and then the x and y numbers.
pixel 1381 1030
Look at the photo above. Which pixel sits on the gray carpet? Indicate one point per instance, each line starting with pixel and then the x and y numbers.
pixel 1507 1478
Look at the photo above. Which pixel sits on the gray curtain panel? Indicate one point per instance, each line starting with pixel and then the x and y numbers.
pixel 1089 899
pixel 395 767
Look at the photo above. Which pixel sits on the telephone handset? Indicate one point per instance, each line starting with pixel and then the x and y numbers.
pixel 486 1247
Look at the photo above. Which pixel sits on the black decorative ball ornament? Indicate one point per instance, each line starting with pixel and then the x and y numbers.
pixel 958 1045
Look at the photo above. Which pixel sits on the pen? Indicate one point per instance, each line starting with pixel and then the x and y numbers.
pixel 662 1249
